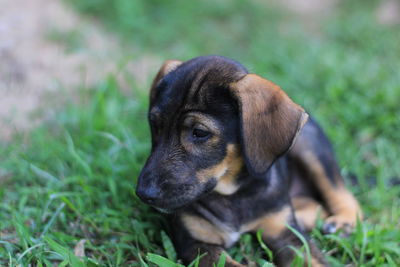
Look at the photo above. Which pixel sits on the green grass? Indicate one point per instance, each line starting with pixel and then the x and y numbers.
pixel 73 178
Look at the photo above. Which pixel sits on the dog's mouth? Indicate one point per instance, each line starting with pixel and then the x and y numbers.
pixel 166 211
pixel 174 198
pixel 179 203
pixel 172 207
pixel 167 202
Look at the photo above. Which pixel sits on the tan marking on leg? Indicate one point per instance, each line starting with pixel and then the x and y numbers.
pixel 315 262
pixel 211 255
pixel 232 263
pixel 307 211
pixel 272 224
pixel 225 172
pixel 279 237
pixel 340 202
pixel 345 211
pixel 203 230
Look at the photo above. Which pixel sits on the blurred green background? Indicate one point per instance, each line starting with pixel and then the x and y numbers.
pixel 72 178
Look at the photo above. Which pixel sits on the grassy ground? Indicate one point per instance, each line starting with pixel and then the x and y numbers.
pixel 69 184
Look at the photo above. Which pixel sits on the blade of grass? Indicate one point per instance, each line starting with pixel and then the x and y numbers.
pixel 168 246
pixel 29 250
pixel 304 241
pixel 161 261
pixel 270 255
pixel 75 155
pixel 52 219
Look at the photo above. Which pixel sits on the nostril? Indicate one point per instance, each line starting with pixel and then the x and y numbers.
pixel 148 195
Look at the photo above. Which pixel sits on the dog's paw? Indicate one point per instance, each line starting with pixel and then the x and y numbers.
pixel 336 223
pixel 232 263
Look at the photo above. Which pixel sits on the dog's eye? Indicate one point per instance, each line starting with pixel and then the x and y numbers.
pixel 200 134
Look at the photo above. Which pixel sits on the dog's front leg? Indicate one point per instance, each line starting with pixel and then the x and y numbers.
pixel 194 237
pixel 284 241
pixel 209 255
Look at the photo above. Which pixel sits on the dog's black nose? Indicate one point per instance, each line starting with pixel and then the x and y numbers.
pixel 148 195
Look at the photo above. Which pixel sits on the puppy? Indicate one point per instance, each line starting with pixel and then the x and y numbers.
pixel 232 153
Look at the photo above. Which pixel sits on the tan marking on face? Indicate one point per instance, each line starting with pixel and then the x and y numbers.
pixel 202 230
pixel 338 199
pixel 203 122
pixel 272 224
pixel 225 172
pixel 307 212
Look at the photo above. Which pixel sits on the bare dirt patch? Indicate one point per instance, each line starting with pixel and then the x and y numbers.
pixel 388 12
pixel 46 48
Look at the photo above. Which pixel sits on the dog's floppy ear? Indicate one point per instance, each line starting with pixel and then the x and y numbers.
pixel 269 119
pixel 166 68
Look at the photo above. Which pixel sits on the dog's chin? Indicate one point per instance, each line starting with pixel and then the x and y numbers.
pixel 166 211
pixel 172 208
pixel 175 206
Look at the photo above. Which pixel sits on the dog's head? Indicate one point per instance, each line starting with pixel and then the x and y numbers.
pixel 211 122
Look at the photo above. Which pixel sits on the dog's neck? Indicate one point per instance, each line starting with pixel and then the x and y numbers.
pixel 232 180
